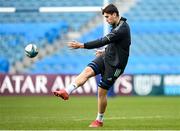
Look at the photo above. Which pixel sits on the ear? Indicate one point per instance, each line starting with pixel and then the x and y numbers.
pixel 114 14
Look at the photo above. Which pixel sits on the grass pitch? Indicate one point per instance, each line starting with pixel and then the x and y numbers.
pixel 123 113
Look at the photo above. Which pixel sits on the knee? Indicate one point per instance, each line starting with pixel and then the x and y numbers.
pixel 89 72
pixel 102 93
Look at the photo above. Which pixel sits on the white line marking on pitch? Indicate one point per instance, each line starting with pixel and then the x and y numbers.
pixel 123 118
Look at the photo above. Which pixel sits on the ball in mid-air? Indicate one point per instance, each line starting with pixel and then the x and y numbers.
pixel 31 50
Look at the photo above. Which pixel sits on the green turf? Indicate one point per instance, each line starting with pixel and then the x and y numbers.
pixel 125 113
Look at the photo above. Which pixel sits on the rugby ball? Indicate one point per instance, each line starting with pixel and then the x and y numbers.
pixel 31 50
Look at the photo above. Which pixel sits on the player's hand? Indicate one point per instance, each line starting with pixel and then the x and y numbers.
pixel 75 45
pixel 99 52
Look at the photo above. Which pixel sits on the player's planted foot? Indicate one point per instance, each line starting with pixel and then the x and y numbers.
pixel 96 123
pixel 61 93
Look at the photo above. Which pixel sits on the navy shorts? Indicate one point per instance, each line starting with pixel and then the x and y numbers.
pixel 108 73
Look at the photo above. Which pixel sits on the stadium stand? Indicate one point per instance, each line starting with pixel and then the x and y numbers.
pixel 34 4
pixel 66 61
pixel 63 62
pixel 4 65
pixel 27 11
pixel 28 25
pixel 155 36
pixel 14 37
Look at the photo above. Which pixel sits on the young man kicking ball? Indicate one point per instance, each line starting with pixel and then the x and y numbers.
pixel 110 63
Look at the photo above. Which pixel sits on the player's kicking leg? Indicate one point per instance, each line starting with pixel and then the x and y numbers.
pixel 61 93
pixel 79 81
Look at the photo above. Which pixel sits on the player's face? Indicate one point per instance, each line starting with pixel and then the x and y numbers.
pixel 110 18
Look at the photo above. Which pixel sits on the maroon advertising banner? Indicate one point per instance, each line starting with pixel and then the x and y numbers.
pixel 125 85
pixel 44 84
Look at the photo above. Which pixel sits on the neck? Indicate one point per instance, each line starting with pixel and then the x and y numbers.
pixel 117 21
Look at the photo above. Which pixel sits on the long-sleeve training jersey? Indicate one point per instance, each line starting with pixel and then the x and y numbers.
pixel 118 43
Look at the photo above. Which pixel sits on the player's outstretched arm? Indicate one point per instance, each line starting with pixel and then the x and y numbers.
pixel 75 45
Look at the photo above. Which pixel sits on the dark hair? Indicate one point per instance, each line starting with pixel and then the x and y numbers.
pixel 110 9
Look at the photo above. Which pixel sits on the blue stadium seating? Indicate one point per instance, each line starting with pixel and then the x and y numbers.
pixel 155 10
pixel 20 28
pixel 14 37
pixel 44 3
pixel 33 31
pixel 155 37
pixel 4 65
pixel 64 61
pixel 155 26
pixel 31 14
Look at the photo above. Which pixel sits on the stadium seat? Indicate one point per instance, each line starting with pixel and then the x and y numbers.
pixel 4 65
